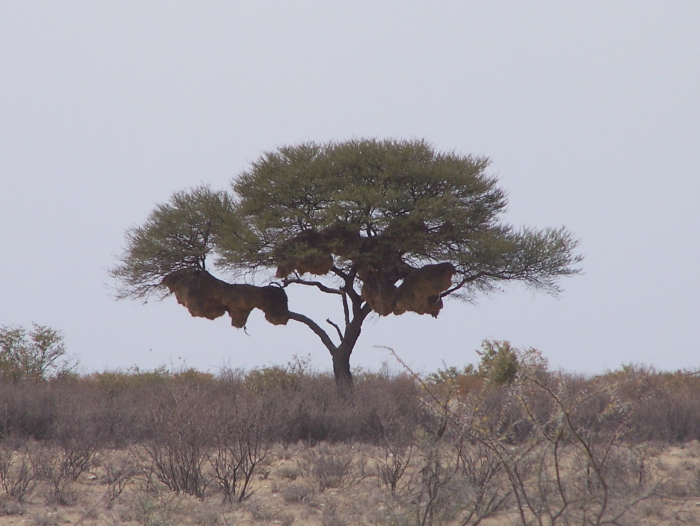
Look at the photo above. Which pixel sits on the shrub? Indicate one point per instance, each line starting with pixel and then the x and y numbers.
pixel 17 475
pixel 297 492
pixel 330 467
pixel 499 362
pixel 240 443
pixel 175 451
pixel 36 354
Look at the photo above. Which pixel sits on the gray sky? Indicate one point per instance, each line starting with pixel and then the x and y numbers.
pixel 589 111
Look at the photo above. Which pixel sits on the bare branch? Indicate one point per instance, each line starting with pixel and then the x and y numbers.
pixel 337 329
pixel 311 324
pixel 346 309
pixel 454 289
pixel 320 286
pixel 465 280
pixel 338 272
pixel 349 278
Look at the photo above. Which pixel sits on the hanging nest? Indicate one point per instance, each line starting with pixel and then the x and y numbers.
pixel 419 292
pixel 303 253
pixel 312 251
pixel 380 264
pixel 208 297
pixel 341 239
pixel 421 289
pixel 377 290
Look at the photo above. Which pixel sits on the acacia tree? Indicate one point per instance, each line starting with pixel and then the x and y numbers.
pixel 385 226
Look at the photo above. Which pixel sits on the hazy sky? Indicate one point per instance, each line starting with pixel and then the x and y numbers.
pixel 589 111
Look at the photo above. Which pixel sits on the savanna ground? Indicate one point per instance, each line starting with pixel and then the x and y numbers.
pixel 506 443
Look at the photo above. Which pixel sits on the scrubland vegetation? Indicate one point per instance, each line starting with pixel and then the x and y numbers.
pixel 506 442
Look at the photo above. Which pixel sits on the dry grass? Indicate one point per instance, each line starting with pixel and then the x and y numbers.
pixel 281 446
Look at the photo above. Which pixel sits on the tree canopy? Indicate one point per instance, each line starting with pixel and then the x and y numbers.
pixel 388 226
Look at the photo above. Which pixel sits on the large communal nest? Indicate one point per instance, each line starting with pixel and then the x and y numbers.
pixel 419 292
pixel 380 265
pixel 208 297
pixel 312 251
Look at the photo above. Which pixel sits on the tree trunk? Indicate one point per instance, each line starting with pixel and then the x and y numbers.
pixel 340 353
pixel 341 368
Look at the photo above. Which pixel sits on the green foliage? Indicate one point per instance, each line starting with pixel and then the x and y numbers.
pixel 421 206
pixel 120 381
pixel 288 377
pixel 499 362
pixel 134 378
pixel 192 376
pixel 450 375
pixel 499 365
pixel 35 354
pixel 370 185
pixel 177 235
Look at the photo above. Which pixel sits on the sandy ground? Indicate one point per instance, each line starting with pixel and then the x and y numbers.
pixel 286 490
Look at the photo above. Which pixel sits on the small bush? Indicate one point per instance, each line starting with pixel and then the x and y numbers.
pixel 288 472
pixel 150 509
pixel 297 492
pixel 118 474
pixel 330 467
pixel 60 468
pixel 17 475
pixel 175 451
pixel 499 362
pixel 240 444
pixel 332 517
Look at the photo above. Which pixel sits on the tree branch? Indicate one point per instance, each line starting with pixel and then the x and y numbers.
pixel 339 272
pixel 311 324
pixel 320 286
pixel 462 283
pixel 346 309
pixel 482 274
pixel 349 278
pixel 337 329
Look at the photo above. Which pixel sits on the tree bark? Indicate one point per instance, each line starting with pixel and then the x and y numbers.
pixel 340 354
pixel 341 369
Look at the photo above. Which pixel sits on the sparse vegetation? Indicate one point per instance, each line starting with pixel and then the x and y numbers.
pixel 505 441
